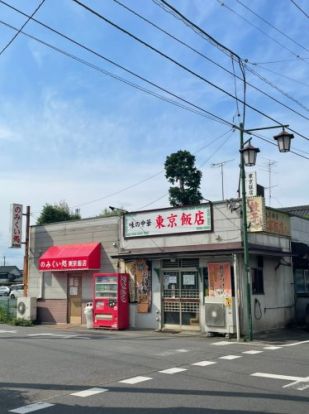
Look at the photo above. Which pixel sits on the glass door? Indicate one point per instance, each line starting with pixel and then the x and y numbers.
pixel 180 300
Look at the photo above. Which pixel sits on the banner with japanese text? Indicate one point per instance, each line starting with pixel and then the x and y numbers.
pixel 165 222
pixel 16 225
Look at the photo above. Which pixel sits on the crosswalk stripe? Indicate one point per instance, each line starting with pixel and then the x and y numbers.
pixel 31 408
pixel 89 392
pixel 135 380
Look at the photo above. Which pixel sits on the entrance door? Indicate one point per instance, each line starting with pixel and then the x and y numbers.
pixel 74 299
pixel 180 300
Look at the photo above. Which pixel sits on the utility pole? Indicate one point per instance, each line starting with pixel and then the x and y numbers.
pixel 221 165
pixel 26 256
pixel 3 260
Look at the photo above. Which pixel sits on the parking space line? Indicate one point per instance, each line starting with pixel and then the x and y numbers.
pixel 31 408
pixel 89 392
pixel 221 343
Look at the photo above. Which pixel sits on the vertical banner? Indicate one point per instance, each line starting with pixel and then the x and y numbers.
pixel 16 225
pixel 140 271
pixel 219 275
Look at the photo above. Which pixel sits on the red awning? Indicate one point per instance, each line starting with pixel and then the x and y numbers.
pixel 68 257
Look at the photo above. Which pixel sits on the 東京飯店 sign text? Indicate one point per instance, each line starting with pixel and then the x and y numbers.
pixel 168 221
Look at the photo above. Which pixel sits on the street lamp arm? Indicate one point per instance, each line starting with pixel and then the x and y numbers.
pixel 263 128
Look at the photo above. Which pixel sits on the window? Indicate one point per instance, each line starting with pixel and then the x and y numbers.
pixel 301 278
pixel 257 277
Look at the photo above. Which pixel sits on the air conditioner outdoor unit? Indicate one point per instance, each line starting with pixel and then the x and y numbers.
pixel 26 308
pixel 219 315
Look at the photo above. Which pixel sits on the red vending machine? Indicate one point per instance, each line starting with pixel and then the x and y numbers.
pixel 111 300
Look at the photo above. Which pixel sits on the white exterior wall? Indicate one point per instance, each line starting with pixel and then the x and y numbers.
pixel 275 309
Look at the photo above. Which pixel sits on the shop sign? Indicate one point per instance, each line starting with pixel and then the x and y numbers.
pixel 251 184
pixel 220 284
pixel 168 221
pixel 277 222
pixel 256 214
pixel 16 225
pixel 52 265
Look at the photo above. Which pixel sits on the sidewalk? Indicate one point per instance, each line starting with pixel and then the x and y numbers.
pixel 276 336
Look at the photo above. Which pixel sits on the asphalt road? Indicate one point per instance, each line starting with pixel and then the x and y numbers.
pixel 61 371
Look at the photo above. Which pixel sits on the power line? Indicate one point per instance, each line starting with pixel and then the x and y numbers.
pixel 176 13
pixel 167 7
pixel 175 62
pixel 19 31
pixel 217 64
pixel 261 30
pixel 279 74
pixel 215 117
pixel 299 8
pixel 271 25
pixel 199 110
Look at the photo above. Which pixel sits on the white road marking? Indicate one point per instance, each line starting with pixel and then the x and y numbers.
pixel 298 383
pixel 275 376
pixel 272 348
pixel 297 343
pixel 172 352
pixel 65 336
pixel 172 371
pixel 3 331
pixel 135 380
pixel 221 343
pixel 89 392
pixel 252 352
pixel 230 357
pixel 30 408
pixel 204 363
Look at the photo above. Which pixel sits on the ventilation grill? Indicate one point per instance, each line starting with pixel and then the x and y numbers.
pixel 215 314
pixel 189 263
pixel 170 263
pixel 183 263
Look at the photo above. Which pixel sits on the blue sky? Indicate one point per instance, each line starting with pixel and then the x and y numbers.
pixel 69 132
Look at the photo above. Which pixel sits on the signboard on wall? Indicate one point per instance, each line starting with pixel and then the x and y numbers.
pixel 140 276
pixel 266 219
pixel 256 214
pixel 219 279
pixel 251 184
pixel 277 222
pixel 167 222
pixel 16 225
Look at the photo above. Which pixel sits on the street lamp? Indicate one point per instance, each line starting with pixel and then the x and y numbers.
pixel 284 140
pixel 248 155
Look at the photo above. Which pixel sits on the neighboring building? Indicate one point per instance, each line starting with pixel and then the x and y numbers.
pixel 185 267
pixel 10 274
pixel 63 258
pixel 300 250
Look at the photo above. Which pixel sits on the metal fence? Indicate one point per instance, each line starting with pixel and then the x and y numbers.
pixel 7 308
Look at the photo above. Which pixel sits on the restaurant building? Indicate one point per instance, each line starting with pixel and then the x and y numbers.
pixel 185 267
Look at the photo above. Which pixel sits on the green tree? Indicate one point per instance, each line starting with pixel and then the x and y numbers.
pixel 180 169
pixel 53 213
pixel 107 212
